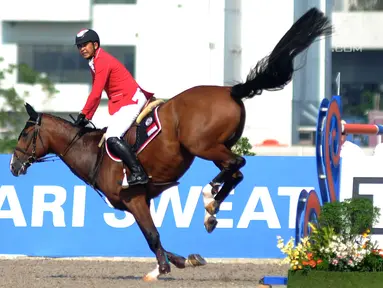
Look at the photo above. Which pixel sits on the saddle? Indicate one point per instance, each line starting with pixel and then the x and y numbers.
pixel 145 128
pixel 142 132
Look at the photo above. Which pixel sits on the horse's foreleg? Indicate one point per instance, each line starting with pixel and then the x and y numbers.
pixel 137 205
pixel 193 260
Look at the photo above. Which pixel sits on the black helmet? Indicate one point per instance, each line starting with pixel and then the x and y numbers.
pixel 87 35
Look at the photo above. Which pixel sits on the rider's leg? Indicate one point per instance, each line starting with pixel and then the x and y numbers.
pixel 119 124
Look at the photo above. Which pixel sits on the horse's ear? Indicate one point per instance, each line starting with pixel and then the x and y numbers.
pixel 31 112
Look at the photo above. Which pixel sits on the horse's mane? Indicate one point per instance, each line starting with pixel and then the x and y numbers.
pixel 84 130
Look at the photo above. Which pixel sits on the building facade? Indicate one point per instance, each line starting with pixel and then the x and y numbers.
pixel 172 45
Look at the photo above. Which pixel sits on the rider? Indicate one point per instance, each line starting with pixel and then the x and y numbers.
pixel 126 99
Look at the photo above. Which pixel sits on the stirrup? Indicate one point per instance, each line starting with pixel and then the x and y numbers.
pixel 125 184
pixel 139 181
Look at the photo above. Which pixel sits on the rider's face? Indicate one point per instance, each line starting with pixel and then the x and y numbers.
pixel 87 50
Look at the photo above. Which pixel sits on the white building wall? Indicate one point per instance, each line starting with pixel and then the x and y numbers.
pixel 179 44
pixel 45 10
pixel 264 23
pixel 358 30
pixel 173 52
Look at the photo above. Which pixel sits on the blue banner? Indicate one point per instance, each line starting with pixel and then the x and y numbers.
pixel 50 212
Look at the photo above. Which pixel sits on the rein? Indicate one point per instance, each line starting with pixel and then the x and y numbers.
pixel 36 134
pixel 34 159
pixel 73 140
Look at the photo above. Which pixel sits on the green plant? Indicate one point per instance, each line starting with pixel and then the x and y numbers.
pixel 349 218
pixel 339 241
pixel 12 110
pixel 243 147
pixel 321 237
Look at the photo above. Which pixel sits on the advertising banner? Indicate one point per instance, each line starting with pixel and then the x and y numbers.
pixel 50 212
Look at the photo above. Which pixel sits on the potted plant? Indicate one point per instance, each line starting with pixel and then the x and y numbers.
pixel 339 251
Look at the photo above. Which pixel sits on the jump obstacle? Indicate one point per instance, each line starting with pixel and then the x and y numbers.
pixel 328 144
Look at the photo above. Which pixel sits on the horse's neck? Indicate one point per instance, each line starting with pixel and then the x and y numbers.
pixel 80 157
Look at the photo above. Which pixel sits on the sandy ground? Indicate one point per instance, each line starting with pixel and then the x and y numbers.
pixel 41 273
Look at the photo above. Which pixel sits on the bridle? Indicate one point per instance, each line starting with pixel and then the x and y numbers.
pixel 32 157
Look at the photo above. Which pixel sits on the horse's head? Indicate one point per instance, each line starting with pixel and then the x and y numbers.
pixel 30 146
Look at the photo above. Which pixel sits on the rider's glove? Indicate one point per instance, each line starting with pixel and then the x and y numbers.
pixel 81 120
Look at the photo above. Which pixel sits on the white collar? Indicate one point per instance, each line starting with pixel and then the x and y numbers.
pixel 91 64
pixel 91 61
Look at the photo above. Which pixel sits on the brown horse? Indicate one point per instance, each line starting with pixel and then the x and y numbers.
pixel 203 121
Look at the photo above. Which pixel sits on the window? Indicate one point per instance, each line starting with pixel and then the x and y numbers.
pixel 63 63
pixel 361 89
pixel 357 5
pixel 361 82
pixel 126 54
pixel 115 1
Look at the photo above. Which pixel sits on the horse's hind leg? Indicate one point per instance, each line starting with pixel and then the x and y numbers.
pixel 230 177
pixel 208 192
pixel 212 203
pixel 229 185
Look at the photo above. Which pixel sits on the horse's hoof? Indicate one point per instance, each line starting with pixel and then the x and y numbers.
pixel 152 276
pixel 210 224
pixel 196 260
pixel 164 268
pixel 149 278
pixel 212 208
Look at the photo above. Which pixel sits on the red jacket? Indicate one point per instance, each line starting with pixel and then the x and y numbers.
pixel 110 75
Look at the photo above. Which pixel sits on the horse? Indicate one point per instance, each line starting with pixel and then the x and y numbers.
pixel 203 121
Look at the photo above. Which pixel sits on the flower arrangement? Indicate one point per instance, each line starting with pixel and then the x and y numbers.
pixel 340 241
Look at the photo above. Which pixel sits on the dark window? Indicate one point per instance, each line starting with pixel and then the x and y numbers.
pixel 357 5
pixel 63 63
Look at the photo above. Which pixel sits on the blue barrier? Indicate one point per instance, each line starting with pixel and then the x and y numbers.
pixel 50 212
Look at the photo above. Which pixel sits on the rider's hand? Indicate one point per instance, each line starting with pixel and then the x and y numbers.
pixel 81 120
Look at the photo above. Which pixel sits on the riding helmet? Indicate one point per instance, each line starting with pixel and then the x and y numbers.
pixel 87 35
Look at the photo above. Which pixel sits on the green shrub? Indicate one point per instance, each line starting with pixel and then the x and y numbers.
pixel 243 147
pixel 351 217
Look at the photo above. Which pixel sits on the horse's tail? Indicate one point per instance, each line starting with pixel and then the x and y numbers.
pixel 275 71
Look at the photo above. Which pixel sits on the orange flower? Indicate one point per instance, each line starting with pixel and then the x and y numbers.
pixel 312 263
pixel 305 263
pixel 319 261
pixel 309 255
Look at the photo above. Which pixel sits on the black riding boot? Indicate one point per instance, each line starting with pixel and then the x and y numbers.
pixel 119 148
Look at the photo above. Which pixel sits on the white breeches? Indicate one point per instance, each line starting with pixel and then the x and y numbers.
pixel 121 121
